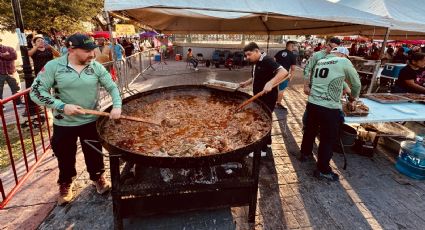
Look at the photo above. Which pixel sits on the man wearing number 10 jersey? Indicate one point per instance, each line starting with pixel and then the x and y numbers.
pixel 324 106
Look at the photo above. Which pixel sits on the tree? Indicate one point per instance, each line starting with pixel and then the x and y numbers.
pixel 52 15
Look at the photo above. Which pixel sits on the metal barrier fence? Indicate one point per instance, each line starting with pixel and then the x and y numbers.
pixel 125 72
pixel 25 140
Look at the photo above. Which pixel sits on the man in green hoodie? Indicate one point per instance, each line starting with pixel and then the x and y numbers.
pixel 324 106
pixel 311 64
pixel 75 80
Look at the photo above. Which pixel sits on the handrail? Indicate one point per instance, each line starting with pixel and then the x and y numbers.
pixel 22 168
pixel 15 96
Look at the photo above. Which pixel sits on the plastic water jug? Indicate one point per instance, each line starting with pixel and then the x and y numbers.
pixel 411 160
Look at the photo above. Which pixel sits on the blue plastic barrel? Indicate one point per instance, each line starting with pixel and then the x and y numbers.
pixel 411 161
pixel 157 57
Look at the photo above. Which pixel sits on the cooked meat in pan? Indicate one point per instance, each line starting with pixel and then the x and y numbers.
pixel 199 125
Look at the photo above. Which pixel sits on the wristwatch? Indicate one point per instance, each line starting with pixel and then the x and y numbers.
pixel 61 108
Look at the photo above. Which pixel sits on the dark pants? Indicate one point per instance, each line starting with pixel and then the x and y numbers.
pixel 31 104
pixel 327 122
pixel 64 145
pixel 194 62
pixel 13 84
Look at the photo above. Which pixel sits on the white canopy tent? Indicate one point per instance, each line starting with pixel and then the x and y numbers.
pixel 407 17
pixel 249 17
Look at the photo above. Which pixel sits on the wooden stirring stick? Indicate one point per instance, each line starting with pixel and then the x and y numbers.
pixel 99 113
pixel 245 103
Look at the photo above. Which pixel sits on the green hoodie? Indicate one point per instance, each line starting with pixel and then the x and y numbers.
pixel 311 63
pixel 72 88
pixel 328 80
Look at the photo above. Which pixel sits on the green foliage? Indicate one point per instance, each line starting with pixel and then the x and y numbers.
pixel 45 15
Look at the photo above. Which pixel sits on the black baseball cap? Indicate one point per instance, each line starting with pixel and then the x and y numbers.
pixel 80 41
pixel 335 40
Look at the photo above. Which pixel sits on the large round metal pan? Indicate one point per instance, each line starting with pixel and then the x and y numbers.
pixel 182 162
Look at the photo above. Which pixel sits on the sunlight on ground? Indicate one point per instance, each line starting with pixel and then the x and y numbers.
pixel 374 224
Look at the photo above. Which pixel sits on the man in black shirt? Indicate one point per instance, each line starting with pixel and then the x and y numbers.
pixel 40 53
pixel 265 73
pixel 288 60
pixel 412 77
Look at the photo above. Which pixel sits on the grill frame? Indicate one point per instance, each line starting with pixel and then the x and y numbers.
pixel 237 191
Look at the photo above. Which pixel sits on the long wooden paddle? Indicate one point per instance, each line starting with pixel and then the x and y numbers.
pixel 99 113
pixel 247 102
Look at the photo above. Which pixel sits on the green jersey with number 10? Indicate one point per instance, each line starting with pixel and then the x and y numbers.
pixel 328 79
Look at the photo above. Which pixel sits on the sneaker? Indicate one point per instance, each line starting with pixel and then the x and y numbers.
pixel 102 185
pixel 328 176
pixel 20 105
pixel 65 193
pixel 196 69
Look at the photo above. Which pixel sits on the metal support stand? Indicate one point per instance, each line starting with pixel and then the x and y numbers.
pixel 376 72
pixel 147 194
pixel 161 60
pixel 140 63
pixel 343 153
pixel 254 193
pixel 116 198
pixel 150 61
pixel 26 65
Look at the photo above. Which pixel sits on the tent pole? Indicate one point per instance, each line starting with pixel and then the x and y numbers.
pixel 378 62
pixel 108 21
pixel 268 41
pixel 384 43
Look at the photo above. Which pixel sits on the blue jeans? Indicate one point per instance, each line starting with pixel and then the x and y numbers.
pixel 327 122
pixel 194 62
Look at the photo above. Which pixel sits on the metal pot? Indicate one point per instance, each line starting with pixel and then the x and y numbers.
pixel 181 162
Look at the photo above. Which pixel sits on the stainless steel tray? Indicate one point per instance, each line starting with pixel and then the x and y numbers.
pixel 379 98
pixel 414 97
pixel 222 85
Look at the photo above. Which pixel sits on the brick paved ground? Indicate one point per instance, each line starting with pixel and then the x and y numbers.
pixel 370 195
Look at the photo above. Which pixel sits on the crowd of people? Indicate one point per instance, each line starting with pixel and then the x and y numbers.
pixel 392 54
pixel 64 82
pixel 43 48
